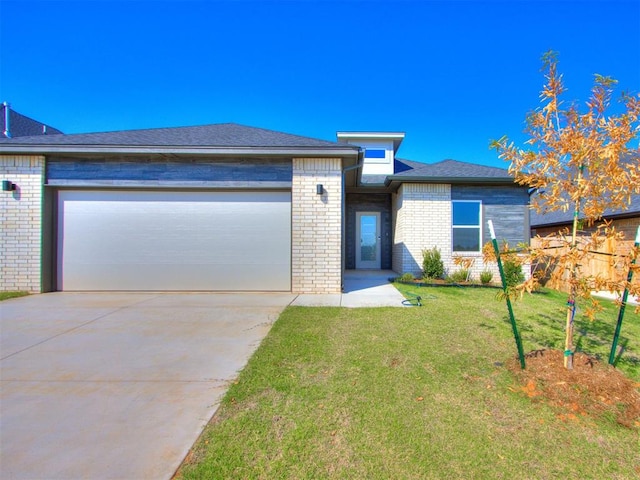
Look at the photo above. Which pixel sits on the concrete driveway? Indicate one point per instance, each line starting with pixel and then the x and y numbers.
pixel 118 385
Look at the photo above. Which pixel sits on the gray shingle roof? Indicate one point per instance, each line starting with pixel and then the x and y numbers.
pixel 23 126
pixel 561 218
pixel 448 171
pixel 215 135
pixel 451 168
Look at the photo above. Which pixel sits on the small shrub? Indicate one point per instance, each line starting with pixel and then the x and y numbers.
pixel 432 265
pixel 406 278
pixel 458 276
pixel 486 276
pixel 512 273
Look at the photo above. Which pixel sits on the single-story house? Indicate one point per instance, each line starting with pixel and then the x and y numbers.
pixel 625 221
pixel 605 261
pixel 227 207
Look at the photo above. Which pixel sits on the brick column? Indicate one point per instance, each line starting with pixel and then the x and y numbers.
pixel 316 226
pixel 21 223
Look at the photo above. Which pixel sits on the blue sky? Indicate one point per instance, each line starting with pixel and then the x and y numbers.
pixel 450 74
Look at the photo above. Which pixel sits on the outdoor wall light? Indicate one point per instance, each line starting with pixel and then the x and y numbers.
pixel 7 186
pixel 319 189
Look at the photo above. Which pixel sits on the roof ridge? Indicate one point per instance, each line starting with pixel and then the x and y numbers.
pixel 468 163
pixel 192 127
pixel 223 135
pixel 269 130
pixel 149 129
pixel 443 161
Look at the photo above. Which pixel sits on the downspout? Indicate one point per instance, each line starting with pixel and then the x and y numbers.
pixel 7 131
pixel 359 164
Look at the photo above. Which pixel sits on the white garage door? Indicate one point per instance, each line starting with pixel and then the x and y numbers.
pixel 157 240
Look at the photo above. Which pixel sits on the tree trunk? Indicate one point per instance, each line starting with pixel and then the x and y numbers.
pixel 571 301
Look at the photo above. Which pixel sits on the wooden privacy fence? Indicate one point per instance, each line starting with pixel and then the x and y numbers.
pixel 608 261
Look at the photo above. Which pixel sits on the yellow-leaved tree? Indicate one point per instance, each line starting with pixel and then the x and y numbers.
pixel 579 158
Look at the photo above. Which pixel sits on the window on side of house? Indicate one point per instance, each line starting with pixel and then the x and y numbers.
pixel 467 223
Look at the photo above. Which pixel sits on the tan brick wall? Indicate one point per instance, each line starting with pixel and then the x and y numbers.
pixel 21 223
pixel 423 220
pixel 316 227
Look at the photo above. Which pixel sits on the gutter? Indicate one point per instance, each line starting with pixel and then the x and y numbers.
pixel 205 150
pixel 458 180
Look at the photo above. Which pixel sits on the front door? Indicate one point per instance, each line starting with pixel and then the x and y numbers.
pixel 368 240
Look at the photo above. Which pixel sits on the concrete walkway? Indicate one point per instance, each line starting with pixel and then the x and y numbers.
pixel 616 296
pixel 362 288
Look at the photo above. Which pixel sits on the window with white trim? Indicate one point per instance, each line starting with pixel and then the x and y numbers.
pixel 377 153
pixel 466 225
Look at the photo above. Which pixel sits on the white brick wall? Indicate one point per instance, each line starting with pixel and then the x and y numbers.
pixel 21 223
pixel 478 267
pixel 316 227
pixel 423 220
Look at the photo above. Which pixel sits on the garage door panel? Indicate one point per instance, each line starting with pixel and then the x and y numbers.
pixel 183 278
pixel 121 240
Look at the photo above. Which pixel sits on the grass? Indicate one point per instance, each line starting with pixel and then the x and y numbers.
pixel 541 318
pixel 8 295
pixel 410 393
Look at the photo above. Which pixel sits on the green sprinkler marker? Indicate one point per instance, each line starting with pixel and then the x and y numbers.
pixel 625 296
pixel 516 335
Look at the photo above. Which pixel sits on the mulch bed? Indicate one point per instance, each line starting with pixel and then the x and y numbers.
pixel 591 388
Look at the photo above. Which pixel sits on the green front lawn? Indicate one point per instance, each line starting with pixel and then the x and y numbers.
pixel 410 394
pixel 541 320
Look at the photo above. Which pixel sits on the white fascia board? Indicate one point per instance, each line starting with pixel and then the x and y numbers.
pixel 395 137
pixel 372 135
pixel 232 151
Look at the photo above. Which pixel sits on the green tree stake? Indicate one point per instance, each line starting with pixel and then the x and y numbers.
pixel 516 335
pixel 625 295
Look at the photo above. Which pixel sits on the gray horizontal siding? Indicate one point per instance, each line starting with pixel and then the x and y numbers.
pixel 506 206
pixel 169 172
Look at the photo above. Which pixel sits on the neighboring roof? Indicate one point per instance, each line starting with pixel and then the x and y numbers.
pixel 21 125
pixel 551 219
pixel 446 171
pixel 216 138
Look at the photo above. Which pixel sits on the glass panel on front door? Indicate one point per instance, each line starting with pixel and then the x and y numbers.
pixel 368 226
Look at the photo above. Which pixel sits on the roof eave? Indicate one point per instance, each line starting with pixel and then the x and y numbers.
pixel 568 221
pixel 339 151
pixel 396 180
